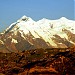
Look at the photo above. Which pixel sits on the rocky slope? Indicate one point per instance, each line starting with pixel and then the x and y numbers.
pixel 26 34
pixel 53 61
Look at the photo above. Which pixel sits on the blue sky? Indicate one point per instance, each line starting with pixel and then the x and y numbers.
pixel 12 10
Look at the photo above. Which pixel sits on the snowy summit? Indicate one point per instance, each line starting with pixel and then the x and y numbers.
pixel 41 34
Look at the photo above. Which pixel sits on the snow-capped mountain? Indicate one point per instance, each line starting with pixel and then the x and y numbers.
pixel 28 34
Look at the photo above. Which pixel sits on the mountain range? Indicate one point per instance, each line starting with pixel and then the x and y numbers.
pixel 27 34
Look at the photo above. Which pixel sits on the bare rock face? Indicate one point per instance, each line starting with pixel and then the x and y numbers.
pixel 26 34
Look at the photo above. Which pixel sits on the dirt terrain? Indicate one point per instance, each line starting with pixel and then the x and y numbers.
pixel 53 61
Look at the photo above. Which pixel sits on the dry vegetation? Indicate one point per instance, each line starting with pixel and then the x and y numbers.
pixel 53 61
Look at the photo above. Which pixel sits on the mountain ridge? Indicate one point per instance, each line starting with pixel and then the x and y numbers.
pixel 25 18
pixel 28 34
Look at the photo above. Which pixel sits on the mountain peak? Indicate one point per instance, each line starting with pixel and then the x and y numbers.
pixel 63 18
pixel 24 18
